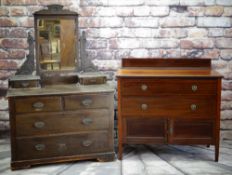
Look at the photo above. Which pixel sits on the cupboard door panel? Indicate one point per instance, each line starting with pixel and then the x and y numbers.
pixel 191 131
pixel 145 130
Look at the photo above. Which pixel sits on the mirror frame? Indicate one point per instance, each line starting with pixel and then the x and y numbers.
pixel 56 12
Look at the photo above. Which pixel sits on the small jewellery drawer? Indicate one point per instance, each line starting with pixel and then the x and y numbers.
pixel 73 102
pixel 62 145
pixel 37 104
pixel 173 106
pixel 25 84
pixel 147 87
pixel 82 120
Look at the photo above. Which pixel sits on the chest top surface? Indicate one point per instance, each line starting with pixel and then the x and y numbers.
pixel 165 68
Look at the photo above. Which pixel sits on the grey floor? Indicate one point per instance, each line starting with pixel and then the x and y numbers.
pixel 138 160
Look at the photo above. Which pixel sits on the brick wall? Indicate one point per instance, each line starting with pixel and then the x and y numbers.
pixel 123 28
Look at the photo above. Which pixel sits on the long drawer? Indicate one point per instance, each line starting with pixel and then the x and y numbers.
pixel 170 106
pixel 63 145
pixel 50 123
pixel 73 102
pixel 148 87
pixel 38 104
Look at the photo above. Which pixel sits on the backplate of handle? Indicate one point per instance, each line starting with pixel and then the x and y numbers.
pixel 39 125
pixel 40 147
pixel 87 121
pixel 87 143
pixel 87 102
pixel 38 105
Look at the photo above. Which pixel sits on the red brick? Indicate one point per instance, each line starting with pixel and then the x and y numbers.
pixel 196 11
pixel 26 22
pixel 4 32
pixel 7 22
pixel 17 54
pixel 88 11
pixel 211 53
pixel 4 74
pixel 226 54
pixel 227 11
pixel 8 65
pixel 141 22
pixel 17 11
pixel 3 54
pixel 33 9
pixel 224 43
pixel 196 43
pixel 171 33
pixel 197 33
pixel 4 11
pixel 191 53
pixel 14 43
pixel 30 2
pixel 18 33
pixel 177 22
pixel 13 2
pixel 227 85
pixel 214 11
pixel 228 32
pixel 170 53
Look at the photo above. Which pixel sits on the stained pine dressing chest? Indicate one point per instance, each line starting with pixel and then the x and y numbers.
pixel 168 101
pixel 63 113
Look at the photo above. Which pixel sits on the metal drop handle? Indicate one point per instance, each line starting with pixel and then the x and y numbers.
pixel 194 88
pixel 87 102
pixel 38 105
pixel 144 106
pixel 87 143
pixel 25 84
pixel 40 147
pixel 87 121
pixel 144 87
pixel 39 125
pixel 193 107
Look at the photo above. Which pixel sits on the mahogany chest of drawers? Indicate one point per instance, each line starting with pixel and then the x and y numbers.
pixel 168 101
pixel 61 123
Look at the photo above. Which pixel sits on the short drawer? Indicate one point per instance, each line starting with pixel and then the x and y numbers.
pixel 51 123
pixel 62 145
pixel 37 104
pixel 73 102
pixel 147 87
pixel 25 84
pixel 170 106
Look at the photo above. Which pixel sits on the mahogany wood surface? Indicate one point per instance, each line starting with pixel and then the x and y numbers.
pixel 169 101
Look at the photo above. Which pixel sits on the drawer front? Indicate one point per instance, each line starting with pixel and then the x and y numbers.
pixel 73 102
pixel 170 106
pixel 24 84
pixel 37 104
pixel 145 130
pixel 65 145
pixel 147 87
pixel 50 123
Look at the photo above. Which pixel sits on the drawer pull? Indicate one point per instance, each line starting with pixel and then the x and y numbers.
pixel 87 143
pixel 87 121
pixel 144 106
pixel 38 105
pixel 40 147
pixel 194 88
pixel 24 84
pixel 39 125
pixel 193 107
pixel 62 147
pixel 144 87
pixel 87 102
pixel 92 80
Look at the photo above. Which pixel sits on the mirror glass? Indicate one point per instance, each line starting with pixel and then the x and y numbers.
pixel 56 44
